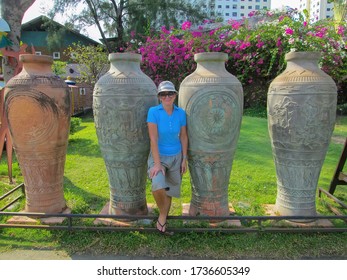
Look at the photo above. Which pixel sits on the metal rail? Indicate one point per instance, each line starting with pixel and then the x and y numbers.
pixel 21 186
pixel 219 227
pixel 135 222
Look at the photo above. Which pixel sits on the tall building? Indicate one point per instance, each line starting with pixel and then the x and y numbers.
pixel 235 9
pixel 318 9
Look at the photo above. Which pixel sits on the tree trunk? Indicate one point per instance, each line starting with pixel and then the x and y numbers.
pixel 13 11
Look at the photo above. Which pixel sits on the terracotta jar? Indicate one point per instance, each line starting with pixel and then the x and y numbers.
pixel 121 100
pixel 213 101
pixel 301 117
pixel 37 104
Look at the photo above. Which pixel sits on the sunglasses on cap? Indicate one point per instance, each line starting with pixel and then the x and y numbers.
pixel 169 94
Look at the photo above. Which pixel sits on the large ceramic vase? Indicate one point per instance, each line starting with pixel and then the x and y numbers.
pixel 213 101
pixel 121 100
pixel 301 117
pixel 37 104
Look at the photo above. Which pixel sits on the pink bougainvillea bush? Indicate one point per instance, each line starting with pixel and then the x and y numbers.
pixel 256 47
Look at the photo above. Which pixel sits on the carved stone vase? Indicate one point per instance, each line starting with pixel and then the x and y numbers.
pixel 301 117
pixel 37 105
pixel 121 100
pixel 213 101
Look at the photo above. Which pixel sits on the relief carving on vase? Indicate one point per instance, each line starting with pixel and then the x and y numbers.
pixel 300 122
pixel 210 173
pixel 41 128
pixel 128 134
pixel 216 117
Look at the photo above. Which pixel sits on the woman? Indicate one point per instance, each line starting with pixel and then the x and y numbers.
pixel 169 143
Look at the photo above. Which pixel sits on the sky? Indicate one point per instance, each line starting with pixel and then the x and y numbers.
pixel 38 8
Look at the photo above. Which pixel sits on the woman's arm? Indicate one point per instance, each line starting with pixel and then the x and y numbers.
pixel 153 136
pixel 184 143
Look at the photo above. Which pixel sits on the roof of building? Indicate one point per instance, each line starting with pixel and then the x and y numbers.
pixel 37 24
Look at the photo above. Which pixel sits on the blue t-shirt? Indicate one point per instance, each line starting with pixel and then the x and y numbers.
pixel 169 128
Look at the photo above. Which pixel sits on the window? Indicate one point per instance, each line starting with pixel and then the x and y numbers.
pixel 227 6
pixel 38 53
pixel 257 7
pixel 219 6
pixel 227 14
pixel 234 7
pixel 250 7
pixel 242 7
pixel 328 9
pixel 82 91
pixel 234 14
pixel 242 14
pixel 219 14
pixel 257 1
pixel 56 55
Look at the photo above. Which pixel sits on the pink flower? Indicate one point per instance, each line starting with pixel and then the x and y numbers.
pixel 251 14
pixel 186 25
pixel 305 23
pixel 289 31
pixel 260 44
pixel 196 34
pixel 236 25
pixel 278 43
pixel 164 30
pixel 340 30
pixel 244 45
pixel 232 43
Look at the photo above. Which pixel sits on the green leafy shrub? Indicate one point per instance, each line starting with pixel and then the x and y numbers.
pixel 342 109
pixel 256 111
pixel 75 124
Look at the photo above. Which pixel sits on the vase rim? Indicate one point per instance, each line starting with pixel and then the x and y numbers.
pixel 125 56
pixel 210 56
pixel 27 58
pixel 302 55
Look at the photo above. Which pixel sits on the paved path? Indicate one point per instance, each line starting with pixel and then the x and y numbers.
pixel 59 255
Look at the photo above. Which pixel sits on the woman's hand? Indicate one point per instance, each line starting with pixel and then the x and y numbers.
pixel 156 169
pixel 184 166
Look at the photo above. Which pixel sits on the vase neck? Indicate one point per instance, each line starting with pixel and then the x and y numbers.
pixel 210 62
pixel 307 64
pixel 37 64
pixel 124 66
pixel 305 60
pixel 124 62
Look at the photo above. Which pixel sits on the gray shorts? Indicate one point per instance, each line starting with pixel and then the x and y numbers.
pixel 172 180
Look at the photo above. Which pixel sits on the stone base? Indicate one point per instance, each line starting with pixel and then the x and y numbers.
pixel 228 223
pixel 121 223
pixel 270 210
pixel 34 221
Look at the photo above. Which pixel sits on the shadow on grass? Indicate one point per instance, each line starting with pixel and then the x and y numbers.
pixel 80 201
pixel 83 146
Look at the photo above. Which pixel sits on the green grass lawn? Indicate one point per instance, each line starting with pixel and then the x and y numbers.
pixel 252 185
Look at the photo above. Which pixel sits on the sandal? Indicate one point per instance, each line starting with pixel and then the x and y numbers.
pixel 161 229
